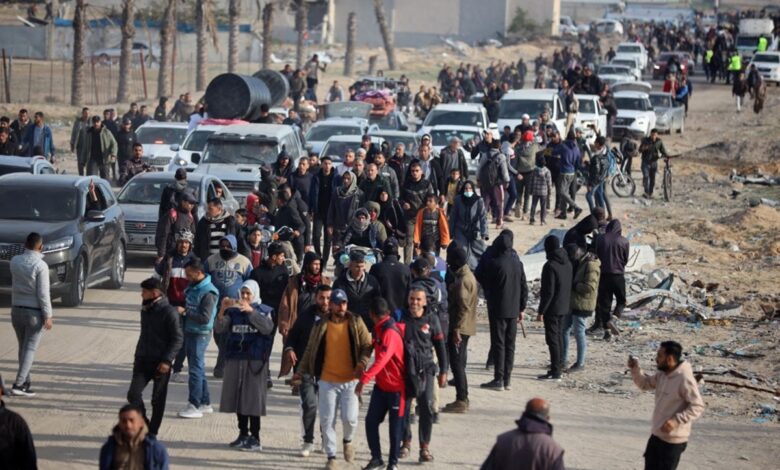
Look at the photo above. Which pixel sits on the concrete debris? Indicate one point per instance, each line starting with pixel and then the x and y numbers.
pixel 755 202
pixel 458 46
pixel 753 179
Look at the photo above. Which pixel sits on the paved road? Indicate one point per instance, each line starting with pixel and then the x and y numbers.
pixel 83 369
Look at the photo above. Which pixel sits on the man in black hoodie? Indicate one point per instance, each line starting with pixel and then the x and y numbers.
pixel 501 275
pixel 554 302
pixel 160 340
pixel 320 195
pixel 216 224
pixel 413 193
pixel 393 276
pixel 612 248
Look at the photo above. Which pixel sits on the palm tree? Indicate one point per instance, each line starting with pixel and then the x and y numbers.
pixel 167 34
pixel 79 38
pixel 205 26
pixel 301 25
pixel 126 57
pixel 234 11
pixel 387 35
pixel 349 56
pixel 268 14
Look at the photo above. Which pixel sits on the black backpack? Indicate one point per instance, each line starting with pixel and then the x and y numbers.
pixel 414 370
pixel 490 172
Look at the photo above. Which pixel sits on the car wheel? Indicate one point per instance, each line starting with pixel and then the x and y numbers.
pixel 119 265
pixel 75 294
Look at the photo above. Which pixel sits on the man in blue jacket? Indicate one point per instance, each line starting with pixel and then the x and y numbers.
pixel 200 310
pixel 130 444
pixel 38 139
pixel 571 160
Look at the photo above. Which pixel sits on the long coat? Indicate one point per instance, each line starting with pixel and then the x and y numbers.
pixel 468 227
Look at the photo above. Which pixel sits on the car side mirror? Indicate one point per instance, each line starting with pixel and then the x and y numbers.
pixel 195 158
pixel 95 216
pixel 175 147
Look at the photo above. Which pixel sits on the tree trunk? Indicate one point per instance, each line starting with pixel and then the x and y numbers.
pixel 126 57
pixel 167 35
pixel 301 26
pixel 268 18
pixel 349 56
pixel 387 35
pixel 201 31
pixel 79 38
pixel 234 11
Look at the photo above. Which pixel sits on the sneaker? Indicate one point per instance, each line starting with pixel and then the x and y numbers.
pixel 425 455
pixel 179 377
pixel 458 406
pixel 191 412
pixel 613 328
pixel 496 385
pixel 206 409
pixel 577 212
pixel 349 452
pixel 562 216
pixel 550 376
pixel 332 464
pixel 594 329
pixel 507 387
pixel 306 449
pixel 252 444
pixel 451 382
pixel 607 336
pixel 508 218
pixel 374 464
pixel 575 368
pixel 435 418
pixel 239 442
pixel 392 467
pixel 22 391
pixel 406 449
pixel 531 222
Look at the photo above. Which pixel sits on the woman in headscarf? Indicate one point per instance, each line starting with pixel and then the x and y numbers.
pixel 468 223
pixel 391 214
pixel 249 326
pixel 347 200
pixel 364 232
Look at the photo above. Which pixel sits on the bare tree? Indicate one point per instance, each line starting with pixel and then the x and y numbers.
pixel 301 25
pixel 167 36
pixel 349 56
pixel 268 16
pixel 384 30
pixel 205 26
pixel 79 39
pixel 126 56
pixel 234 11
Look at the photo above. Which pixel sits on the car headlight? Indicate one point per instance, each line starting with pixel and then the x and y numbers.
pixel 58 245
pixel 180 161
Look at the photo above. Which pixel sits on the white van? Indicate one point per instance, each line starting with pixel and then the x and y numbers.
pixel 515 103
pixel 235 153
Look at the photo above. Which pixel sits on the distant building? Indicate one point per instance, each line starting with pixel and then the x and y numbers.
pixel 425 22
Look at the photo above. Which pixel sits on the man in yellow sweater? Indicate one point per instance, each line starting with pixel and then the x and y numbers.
pixel 337 354
pixel 677 403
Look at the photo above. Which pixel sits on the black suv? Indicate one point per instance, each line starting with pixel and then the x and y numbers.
pixel 83 241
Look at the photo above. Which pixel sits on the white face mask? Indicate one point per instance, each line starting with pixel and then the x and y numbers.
pixel 468 193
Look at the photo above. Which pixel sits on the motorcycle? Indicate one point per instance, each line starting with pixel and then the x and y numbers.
pixel 282 235
pixel 372 257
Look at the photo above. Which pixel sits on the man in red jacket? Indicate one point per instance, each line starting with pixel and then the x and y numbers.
pixel 389 392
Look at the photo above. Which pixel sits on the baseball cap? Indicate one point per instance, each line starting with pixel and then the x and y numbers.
pixel 181 174
pixel 338 296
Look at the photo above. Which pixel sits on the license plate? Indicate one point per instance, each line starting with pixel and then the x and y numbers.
pixel 141 240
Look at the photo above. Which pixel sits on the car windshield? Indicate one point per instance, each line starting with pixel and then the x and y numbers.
pixel 610 70
pixel 385 122
pixel 440 117
pixel 161 135
pixel 747 41
pixel 588 106
pixel 514 109
pixel 631 104
pixel 254 152
pixel 767 58
pixel 325 132
pixel 661 101
pixel 627 63
pixel 6 169
pixel 336 150
pixel 629 49
pixel 196 141
pixel 442 137
pixel 147 191
pixel 50 204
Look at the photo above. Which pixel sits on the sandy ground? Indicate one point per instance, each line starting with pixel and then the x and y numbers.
pixel 83 366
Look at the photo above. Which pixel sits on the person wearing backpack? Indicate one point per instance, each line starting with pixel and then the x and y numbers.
pixel 598 172
pixel 389 393
pixel 172 222
pixel 423 334
pixel 492 177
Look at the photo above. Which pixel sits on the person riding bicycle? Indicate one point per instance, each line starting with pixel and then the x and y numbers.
pixel 652 149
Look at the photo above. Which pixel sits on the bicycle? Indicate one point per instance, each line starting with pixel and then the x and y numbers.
pixel 667 181
pixel 622 183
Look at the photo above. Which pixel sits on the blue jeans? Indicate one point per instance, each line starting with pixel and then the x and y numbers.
pixel 598 193
pixel 381 404
pixel 511 195
pixel 332 397
pixel 577 322
pixel 196 358
pixel 28 326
